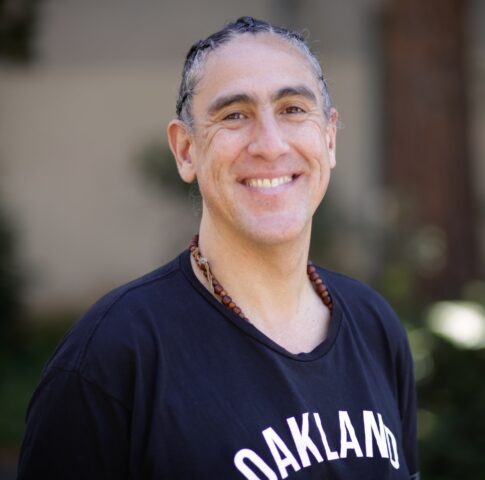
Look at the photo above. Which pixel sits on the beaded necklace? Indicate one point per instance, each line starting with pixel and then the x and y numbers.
pixel 218 290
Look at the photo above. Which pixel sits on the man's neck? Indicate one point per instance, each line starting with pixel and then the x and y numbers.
pixel 270 284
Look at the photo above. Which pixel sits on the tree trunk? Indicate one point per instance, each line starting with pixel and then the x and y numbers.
pixel 428 164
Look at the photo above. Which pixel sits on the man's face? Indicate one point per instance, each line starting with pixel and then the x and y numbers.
pixel 261 148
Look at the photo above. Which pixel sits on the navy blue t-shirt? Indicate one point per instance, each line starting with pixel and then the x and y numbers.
pixel 158 380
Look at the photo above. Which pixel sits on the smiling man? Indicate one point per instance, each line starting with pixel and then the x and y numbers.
pixel 237 360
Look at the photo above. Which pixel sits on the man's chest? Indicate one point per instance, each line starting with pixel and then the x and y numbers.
pixel 258 416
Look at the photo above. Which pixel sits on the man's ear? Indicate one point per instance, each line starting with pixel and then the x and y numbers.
pixel 331 136
pixel 180 142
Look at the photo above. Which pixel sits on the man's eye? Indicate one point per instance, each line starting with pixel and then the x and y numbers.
pixel 234 116
pixel 294 109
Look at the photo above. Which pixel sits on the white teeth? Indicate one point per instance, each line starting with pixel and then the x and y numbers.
pixel 268 182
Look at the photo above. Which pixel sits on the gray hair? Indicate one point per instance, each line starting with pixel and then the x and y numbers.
pixel 198 53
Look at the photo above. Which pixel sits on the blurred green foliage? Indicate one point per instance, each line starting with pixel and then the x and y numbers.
pixel 11 285
pixel 451 392
pixel 11 282
pixel 157 166
pixel 20 354
pixel 20 368
pixel 451 421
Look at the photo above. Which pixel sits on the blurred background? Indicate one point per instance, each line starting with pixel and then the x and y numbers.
pixel 89 196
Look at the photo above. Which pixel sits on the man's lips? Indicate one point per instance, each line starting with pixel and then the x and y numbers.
pixel 268 183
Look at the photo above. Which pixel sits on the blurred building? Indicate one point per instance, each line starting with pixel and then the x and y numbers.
pixel 103 85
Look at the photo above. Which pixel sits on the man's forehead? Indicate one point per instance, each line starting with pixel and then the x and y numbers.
pixel 257 63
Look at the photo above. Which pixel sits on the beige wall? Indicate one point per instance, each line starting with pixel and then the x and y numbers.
pixel 69 139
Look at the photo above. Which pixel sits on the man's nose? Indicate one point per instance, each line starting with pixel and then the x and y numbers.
pixel 268 141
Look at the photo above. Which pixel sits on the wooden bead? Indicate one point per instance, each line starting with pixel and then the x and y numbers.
pixel 321 288
pixel 226 300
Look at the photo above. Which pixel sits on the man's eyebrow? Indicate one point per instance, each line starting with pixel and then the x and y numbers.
pixel 226 100
pixel 299 90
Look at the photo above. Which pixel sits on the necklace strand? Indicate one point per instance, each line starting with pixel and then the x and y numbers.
pixel 218 290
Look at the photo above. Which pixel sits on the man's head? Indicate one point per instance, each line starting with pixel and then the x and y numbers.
pixel 198 53
pixel 257 132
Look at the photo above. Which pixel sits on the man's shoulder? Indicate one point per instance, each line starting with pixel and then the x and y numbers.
pixel 154 281
pixel 362 303
pixel 122 318
pixel 352 288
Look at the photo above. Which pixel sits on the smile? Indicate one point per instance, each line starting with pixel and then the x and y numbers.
pixel 268 182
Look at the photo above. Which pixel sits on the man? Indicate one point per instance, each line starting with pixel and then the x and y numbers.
pixel 236 360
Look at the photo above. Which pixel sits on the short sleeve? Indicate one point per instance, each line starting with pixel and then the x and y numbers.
pixel 74 430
